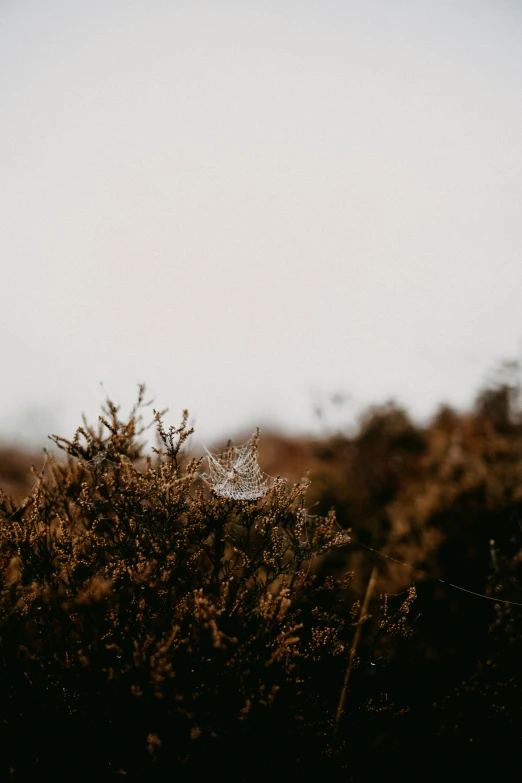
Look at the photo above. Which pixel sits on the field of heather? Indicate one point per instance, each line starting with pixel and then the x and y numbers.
pixel 346 605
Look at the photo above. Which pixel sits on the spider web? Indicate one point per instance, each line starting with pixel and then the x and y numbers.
pixel 235 473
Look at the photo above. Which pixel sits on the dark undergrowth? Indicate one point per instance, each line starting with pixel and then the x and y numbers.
pixel 151 629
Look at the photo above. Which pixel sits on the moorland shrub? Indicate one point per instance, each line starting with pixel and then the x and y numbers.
pixel 151 629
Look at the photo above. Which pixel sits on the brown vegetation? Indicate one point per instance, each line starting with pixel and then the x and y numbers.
pixel 152 630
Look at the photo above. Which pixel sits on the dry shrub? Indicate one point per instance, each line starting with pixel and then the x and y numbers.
pixel 442 505
pixel 152 630
pixel 149 627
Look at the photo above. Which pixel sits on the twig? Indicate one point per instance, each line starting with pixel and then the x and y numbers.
pixel 353 651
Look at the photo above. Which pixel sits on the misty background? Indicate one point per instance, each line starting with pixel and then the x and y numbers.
pixel 251 206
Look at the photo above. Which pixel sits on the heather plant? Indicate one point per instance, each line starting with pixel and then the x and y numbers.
pixel 437 506
pixel 149 624
pixel 160 623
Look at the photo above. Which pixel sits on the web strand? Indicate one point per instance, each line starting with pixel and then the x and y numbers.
pixel 438 579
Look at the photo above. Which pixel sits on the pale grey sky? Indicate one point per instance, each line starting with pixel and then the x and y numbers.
pixel 249 205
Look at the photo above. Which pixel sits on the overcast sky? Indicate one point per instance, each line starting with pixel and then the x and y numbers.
pixel 252 205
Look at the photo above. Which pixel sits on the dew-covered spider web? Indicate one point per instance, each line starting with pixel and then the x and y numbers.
pixel 235 473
